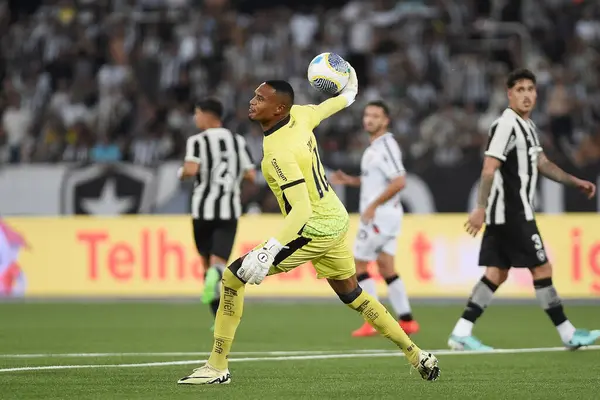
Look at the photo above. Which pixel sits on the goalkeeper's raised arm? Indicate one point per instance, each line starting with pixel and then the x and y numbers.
pixel 335 104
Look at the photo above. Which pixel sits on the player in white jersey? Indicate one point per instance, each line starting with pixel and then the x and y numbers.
pixel 382 178
pixel 219 160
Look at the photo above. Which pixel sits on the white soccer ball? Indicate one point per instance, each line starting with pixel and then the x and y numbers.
pixel 328 73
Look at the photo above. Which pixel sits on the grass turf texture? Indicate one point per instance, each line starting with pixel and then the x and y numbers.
pixel 29 328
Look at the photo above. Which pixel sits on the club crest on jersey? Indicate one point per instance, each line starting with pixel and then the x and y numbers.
pixel 278 170
pixel 534 153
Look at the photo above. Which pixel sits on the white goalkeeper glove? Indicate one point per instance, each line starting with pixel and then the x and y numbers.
pixel 257 263
pixel 351 89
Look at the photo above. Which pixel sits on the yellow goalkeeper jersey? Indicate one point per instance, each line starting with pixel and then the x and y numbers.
pixel 293 170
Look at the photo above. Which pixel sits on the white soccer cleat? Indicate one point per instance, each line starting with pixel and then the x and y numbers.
pixel 428 366
pixel 207 375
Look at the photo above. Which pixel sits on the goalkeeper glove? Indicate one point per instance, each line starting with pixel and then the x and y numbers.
pixel 351 89
pixel 257 263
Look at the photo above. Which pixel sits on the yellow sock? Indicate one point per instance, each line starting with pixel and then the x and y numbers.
pixel 379 318
pixel 227 319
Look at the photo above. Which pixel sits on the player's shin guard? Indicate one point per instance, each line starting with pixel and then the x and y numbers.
pixel 481 297
pixel 552 304
pixel 227 319
pixel 379 318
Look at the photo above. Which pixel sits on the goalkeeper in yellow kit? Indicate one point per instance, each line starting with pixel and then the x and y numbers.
pixel 315 228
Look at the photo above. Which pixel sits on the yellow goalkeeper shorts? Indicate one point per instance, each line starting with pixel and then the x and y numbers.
pixel 332 257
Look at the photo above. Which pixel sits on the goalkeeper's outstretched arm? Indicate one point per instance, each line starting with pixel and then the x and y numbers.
pixel 335 104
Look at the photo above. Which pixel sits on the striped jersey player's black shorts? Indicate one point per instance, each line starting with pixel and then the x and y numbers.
pixel 215 237
pixel 515 244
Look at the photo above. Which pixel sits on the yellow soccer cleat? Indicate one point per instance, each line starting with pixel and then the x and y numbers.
pixel 207 375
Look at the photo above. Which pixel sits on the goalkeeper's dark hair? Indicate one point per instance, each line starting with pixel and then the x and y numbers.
pixel 284 88
pixel 380 104
pixel 518 75
pixel 212 106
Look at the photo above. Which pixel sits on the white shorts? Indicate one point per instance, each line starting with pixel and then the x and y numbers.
pixel 370 243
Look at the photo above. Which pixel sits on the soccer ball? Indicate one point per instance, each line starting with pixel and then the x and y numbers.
pixel 328 73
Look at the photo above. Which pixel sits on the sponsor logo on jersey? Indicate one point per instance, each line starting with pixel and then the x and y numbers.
pixel 278 170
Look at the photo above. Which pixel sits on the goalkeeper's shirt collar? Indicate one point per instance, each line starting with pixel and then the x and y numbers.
pixel 278 125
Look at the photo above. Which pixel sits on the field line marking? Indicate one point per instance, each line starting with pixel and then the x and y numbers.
pixel 184 353
pixel 298 357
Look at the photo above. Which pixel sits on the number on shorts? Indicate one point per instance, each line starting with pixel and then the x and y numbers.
pixel 537 241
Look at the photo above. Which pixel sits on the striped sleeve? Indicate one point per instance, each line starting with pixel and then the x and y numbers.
pixel 499 139
pixel 192 149
pixel 391 159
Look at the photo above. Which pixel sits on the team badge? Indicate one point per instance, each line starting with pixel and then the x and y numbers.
pixel 541 255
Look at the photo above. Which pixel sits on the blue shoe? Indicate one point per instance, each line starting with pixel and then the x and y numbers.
pixel 582 337
pixel 467 343
pixel 211 285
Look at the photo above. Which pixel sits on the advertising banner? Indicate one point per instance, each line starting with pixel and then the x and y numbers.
pixel 154 256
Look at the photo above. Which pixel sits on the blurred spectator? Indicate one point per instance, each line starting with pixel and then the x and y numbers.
pixel 152 147
pixel 589 149
pixel 79 141
pixel 110 81
pixel 16 122
pixel 105 151
pixel 588 27
pixel 560 106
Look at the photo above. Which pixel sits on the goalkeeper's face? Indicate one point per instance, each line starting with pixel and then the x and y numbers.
pixel 375 120
pixel 266 105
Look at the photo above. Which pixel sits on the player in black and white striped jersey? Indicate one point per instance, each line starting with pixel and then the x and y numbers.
pixel 513 141
pixel 218 160
pixel 513 160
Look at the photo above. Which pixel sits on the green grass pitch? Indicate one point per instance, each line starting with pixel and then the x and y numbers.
pixel 58 334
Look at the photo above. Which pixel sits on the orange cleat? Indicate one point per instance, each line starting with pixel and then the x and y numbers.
pixel 364 331
pixel 410 327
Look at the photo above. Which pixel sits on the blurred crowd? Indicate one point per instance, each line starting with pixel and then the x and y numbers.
pixel 111 80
